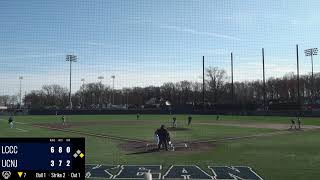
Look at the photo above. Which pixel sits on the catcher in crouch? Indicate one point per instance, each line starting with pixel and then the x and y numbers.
pixel 163 136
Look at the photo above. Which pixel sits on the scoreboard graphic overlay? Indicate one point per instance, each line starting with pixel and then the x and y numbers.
pixel 42 158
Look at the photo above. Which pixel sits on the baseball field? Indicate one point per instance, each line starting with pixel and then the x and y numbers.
pixel 265 144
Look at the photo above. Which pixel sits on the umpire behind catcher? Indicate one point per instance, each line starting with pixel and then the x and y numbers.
pixel 164 137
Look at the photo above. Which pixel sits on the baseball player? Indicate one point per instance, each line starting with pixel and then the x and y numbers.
pixel 156 137
pixel 164 137
pixel 10 122
pixel 189 120
pixel 299 122
pixel 63 118
pixel 218 117
pixel 174 121
pixel 138 116
pixel 293 123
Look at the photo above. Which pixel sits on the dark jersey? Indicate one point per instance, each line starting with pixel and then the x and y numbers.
pixel 189 120
pixel 163 134
pixel 156 132
pixel 10 120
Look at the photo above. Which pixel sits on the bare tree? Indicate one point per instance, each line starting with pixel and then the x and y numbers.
pixel 215 79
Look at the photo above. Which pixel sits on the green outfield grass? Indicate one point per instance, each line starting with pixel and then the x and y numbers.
pixel 165 118
pixel 196 132
pixel 292 156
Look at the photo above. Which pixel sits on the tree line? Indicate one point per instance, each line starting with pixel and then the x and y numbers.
pixel 218 90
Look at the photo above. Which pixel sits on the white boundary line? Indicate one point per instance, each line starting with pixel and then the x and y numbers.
pixel 233 168
pixel 17 122
pixel 122 167
pixel 167 172
pixel 210 168
pixel 22 130
pixel 19 129
pixel 105 170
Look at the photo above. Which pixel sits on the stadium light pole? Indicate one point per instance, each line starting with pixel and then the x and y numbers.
pixel 20 92
pixel 311 52
pixel 71 58
pixel 264 81
pixel 113 77
pixel 100 78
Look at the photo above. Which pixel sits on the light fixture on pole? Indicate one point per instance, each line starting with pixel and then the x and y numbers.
pixel 311 52
pixel 71 58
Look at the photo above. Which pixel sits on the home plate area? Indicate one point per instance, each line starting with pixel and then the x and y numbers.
pixel 173 172
pixel 171 147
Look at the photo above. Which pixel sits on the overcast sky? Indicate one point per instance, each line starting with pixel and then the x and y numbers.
pixel 148 42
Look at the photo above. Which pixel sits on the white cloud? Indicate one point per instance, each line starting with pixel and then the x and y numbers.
pixel 96 44
pixel 202 33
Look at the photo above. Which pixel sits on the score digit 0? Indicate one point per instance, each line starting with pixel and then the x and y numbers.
pixel 60 149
